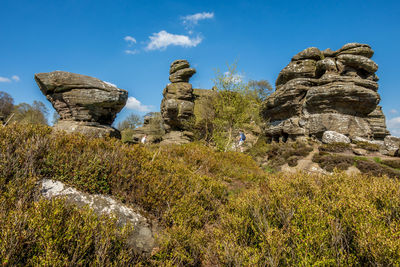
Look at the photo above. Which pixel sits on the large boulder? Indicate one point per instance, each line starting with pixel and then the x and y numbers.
pixel 82 102
pixel 142 238
pixel 326 90
pixel 330 137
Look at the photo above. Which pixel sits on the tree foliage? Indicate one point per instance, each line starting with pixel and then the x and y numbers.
pixel 35 113
pixel 236 104
pixel 131 122
pixel 6 105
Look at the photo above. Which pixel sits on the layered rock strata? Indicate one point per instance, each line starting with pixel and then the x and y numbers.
pixel 177 106
pixel 326 90
pixel 85 104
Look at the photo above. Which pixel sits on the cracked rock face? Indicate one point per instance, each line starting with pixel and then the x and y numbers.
pixel 85 104
pixel 326 90
pixel 177 106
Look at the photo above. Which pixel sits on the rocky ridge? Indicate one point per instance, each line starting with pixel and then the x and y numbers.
pixel 326 90
pixel 85 104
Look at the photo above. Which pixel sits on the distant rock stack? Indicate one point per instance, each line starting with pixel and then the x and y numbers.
pixel 326 90
pixel 177 106
pixel 85 104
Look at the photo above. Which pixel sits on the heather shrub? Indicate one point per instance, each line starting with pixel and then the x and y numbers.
pixel 334 147
pixel 367 146
pixel 289 152
pixel 212 208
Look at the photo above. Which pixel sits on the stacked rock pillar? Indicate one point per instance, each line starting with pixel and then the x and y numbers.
pixel 177 106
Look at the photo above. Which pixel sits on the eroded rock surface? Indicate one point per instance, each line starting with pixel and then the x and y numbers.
pixel 85 104
pixel 330 137
pixel 326 90
pixel 177 106
pixel 142 238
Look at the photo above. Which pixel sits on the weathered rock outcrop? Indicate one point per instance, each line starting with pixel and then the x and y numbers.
pixel 142 238
pixel 85 104
pixel 177 106
pixel 326 90
pixel 152 127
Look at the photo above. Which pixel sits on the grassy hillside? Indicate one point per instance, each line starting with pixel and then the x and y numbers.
pixel 211 208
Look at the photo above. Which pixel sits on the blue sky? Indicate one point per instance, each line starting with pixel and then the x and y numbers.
pixel 132 43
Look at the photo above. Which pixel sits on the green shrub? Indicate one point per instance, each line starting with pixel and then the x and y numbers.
pixel 289 152
pixel 367 146
pixel 331 161
pixel 335 147
pixel 393 163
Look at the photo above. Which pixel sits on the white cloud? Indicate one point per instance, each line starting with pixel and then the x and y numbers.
pixel 394 126
pixel 135 104
pixel 131 52
pixel 4 80
pixel 234 78
pixel 163 39
pixel 130 40
pixel 15 78
pixel 194 19
pixel 393 111
pixel 110 84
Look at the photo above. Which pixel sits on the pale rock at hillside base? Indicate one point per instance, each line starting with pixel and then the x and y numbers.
pixel 142 238
pixel 84 103
pixel 326 90
pixel 330 137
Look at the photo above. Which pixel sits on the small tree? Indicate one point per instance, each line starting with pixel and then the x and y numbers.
pixel 262 88
pixel 6 105
pixel 234 106
pixel 35 113
pixel 131 122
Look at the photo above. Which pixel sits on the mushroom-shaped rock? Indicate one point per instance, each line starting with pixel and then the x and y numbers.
pixel 84 103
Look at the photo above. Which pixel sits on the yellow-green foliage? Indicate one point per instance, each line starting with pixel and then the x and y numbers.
pixel 212 208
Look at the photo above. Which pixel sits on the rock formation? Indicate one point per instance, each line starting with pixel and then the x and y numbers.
pixel 177 106
pixel 141 239
pixel 152 127
pixel 85 104
pixel 326 90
